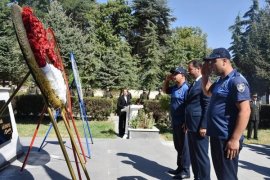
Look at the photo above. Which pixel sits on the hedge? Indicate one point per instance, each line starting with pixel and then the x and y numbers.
pixel 96 108
pixel 28 104
pixel 100 108
pixel 265 116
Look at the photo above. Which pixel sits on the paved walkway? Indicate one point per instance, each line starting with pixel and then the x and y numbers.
pixel 124 159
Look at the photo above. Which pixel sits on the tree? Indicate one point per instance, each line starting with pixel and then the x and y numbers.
pixel 251 45
pixel 110 24
pixel 40 6
pixel 78 10
pixel 12 65
pixel 144 11
pixel 72 39
pixel 184 44
pixel 151 59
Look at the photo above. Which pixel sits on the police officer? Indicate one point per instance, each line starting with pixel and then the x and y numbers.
pixel 159 95
pixel 107 93
pixel 254 119
pixel 196 104
pixel 143 97
pixel 228 112
pixel 177 111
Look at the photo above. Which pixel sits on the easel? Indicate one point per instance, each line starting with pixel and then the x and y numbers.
pixel 63 111
pixel 80 98
pixel 84 119
pixel 77 83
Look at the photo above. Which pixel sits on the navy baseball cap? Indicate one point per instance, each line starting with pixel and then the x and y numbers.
pixel 178 70
pixel 218 53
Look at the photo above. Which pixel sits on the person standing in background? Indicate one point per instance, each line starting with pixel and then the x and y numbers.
pixel 143 97
pixel 123 101
pixel 159 95
pixel 107 93
pixel 254 119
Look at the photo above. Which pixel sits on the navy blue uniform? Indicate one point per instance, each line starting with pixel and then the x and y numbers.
pixel 177 110
pixel 222 115
pixel 196 107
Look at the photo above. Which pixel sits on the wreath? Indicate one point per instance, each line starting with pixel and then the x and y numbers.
pixel 41 54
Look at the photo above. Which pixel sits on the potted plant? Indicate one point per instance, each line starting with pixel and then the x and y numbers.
pixel 142 126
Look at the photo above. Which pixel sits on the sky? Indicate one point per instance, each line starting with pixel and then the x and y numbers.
pixel 214 17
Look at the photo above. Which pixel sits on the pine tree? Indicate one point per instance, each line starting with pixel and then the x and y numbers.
pixel 111 24
pixel 12 65
pixel 151 60
pixel 72 39
pixel 155 11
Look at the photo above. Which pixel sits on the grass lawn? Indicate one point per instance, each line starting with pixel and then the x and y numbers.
pixel 263 135
pixel 99 129
pixel 105 129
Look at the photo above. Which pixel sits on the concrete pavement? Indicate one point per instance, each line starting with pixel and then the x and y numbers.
pixel 122 159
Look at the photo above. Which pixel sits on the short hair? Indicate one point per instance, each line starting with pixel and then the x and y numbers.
pixel 196 63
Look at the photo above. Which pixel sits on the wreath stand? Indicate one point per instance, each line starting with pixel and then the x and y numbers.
pixel 53 122
pixel 50 97
pixel 84 119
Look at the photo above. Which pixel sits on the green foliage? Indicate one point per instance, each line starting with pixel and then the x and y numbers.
pixel 151 58
pixel 12 66
pixel 116 44
pixel 72 39
pixel 250 46
pixel 184 44
pixel 40 6
pixel 28 104
pixel 99 108
pixel 159 114
pixel 165 102
pixel 143 120
pixel 154 11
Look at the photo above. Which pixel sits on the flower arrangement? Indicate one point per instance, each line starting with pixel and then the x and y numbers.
pixel 39 49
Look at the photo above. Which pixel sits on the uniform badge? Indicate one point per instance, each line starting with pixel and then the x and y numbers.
pixel 241 87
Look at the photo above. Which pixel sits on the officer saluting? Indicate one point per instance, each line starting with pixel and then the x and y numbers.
pixel 228 112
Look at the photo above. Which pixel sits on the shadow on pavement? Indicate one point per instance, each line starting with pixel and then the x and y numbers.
pixel 262 149
pixel 132 178
pixel 148 167
pixel 13 172
pixel 35 158
pixel 254 167
pixel 35 161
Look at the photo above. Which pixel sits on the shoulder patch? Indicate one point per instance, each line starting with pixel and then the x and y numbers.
pixel 241 87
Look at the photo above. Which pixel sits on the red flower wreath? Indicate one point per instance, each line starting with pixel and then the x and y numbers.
pixel 43 49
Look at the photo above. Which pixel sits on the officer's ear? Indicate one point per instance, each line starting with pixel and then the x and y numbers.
pixel 225 61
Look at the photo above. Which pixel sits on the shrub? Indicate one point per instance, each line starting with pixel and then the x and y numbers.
pixel 143 120
pixel 165 102
pixel 265 116
pixel 99 108
pixel 29 104
pixel 159 114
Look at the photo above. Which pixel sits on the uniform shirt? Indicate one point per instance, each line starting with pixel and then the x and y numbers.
pixel 177 107
pixel 222 110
